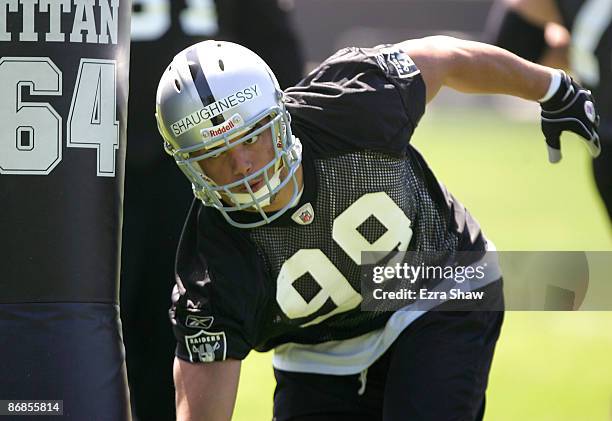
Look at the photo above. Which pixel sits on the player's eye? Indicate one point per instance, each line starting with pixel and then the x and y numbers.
pixel 251 140
pixel 217 154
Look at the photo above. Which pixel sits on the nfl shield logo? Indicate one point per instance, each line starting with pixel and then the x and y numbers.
pixel 304 215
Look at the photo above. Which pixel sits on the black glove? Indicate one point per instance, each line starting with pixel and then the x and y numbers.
pixel 571 108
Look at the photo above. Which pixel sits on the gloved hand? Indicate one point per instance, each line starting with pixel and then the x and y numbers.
pixel 571 108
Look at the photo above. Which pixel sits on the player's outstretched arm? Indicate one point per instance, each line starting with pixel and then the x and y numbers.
pixel 474 67
pixel 207 391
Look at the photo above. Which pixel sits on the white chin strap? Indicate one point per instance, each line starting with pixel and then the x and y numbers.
pixel 244 198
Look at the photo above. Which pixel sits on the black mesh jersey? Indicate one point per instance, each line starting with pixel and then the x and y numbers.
pixel 368 189
pixel 590 24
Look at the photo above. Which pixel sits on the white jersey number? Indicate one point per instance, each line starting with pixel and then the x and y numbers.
pixel 31 139
pixel 332 284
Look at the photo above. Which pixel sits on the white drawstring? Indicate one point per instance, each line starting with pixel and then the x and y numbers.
pixel 363 378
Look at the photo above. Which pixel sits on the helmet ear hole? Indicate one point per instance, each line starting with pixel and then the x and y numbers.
pixel 168 148
pixel 177 85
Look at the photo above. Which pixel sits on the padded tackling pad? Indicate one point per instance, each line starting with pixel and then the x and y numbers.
pixel 65 351
pixel 63 111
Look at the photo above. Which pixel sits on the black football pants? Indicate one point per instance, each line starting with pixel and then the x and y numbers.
pixel 436 370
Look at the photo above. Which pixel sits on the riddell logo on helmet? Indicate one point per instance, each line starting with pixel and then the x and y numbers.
pixel 226 127
pixel 235 121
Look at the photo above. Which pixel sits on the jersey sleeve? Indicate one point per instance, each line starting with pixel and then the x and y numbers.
pixel 214 312
pixel 366 98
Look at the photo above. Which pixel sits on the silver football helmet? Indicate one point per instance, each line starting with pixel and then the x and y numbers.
pixel 209 100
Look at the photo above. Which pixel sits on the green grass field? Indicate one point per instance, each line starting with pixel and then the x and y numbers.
pixel 548 366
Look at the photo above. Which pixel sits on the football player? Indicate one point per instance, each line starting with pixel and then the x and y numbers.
pixel 291 187
pixel 575 34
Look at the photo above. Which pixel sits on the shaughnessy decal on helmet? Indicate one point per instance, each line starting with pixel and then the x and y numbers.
pixel 216 108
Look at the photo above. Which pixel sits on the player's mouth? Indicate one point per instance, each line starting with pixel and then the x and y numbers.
pixel 255 185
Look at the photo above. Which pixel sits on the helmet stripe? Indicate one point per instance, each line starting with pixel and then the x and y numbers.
pixel 201 83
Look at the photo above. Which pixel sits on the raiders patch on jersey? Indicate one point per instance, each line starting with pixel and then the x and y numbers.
pixel 206 346
pixel 396 63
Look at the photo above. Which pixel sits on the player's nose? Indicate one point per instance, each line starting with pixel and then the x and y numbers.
pixel 240 161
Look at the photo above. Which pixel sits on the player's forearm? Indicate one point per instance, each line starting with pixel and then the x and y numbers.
pixel 481 68
pixel 205 392
pixel 474 67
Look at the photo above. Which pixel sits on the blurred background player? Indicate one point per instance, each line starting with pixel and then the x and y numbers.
pixel 156 197
pixel 574 34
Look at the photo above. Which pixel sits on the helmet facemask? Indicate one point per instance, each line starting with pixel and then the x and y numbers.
pixel 276 173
